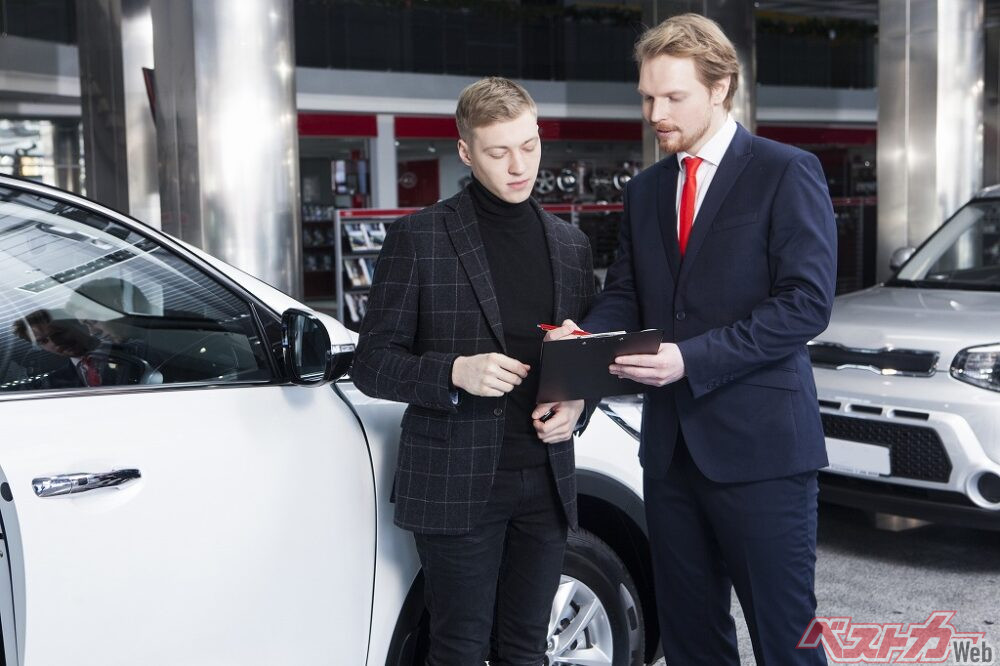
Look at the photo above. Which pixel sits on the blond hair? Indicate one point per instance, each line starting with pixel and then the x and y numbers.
pixel 490 100
pixel 694 36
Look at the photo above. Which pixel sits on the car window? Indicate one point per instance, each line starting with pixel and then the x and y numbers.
pixel 87 302
pixel 964 253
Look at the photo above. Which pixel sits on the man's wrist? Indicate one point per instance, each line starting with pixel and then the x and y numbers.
pixel 451 375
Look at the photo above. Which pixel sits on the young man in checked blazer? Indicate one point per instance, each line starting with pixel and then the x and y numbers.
pixel 487 487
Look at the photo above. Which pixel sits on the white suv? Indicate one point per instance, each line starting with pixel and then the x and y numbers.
pixel 172 491
pixel 908 377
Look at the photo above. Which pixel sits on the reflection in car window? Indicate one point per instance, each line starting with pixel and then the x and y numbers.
pixel 963 254
pixel 86 302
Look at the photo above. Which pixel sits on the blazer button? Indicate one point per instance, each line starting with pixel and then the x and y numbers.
pixel 497 412
pixel 680 316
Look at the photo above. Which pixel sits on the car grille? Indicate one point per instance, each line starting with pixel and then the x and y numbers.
pixel 915 452
pixel 907 362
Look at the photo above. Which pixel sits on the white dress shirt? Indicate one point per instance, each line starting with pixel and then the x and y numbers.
pixel 711 154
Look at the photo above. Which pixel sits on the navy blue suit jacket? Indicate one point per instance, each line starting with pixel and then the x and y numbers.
pixel 755 285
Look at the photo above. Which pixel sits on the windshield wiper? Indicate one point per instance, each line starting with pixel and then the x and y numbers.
pixel 943 284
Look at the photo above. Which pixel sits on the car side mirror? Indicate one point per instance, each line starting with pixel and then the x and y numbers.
pixel 900 257
pixel 309 357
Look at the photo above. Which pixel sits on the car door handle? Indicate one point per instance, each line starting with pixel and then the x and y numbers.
pixel 68 484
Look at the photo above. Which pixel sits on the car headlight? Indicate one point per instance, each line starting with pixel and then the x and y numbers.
pixel 979 366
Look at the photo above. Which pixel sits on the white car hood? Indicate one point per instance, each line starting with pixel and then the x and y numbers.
pixel 939 320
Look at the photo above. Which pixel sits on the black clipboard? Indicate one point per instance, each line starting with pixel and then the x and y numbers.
pixel 577 367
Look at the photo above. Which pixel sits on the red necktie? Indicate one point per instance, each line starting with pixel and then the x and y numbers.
pixel 688 197
pixel 91 373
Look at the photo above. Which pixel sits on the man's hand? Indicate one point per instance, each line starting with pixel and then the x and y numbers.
pixel 560 426
pixel 488 375
pixel 563 331
pixel 664 367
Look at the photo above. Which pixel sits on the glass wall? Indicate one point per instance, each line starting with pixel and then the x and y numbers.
pixel 556 40
pixel 815 52
pixel 47 151
pixel 531 39
pixel 49 20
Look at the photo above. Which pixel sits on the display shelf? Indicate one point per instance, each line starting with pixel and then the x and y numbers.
pixel 856 242
pixel 319 239
pixel 361 233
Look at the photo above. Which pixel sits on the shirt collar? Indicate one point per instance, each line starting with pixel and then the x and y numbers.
pixel 716 147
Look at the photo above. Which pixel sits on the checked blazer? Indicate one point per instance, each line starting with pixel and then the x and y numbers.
pixel 432 300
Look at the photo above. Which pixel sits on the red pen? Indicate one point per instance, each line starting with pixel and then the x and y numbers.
pixel 550 327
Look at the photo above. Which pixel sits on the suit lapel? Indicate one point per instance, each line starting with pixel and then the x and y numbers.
pixel 468 242
pixel 735 160
pixel 556 252
pixel 666 210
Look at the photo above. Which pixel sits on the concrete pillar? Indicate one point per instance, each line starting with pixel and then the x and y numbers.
pixel 226 123
pixel 736 17
pixel 66 142
pixel 930 117
pixel 991 98
pixel 115 44
pixel 383 158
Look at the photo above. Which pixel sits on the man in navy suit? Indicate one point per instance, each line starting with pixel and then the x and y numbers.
pixel 729 245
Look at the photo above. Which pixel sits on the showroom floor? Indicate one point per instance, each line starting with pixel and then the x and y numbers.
pixel 881 576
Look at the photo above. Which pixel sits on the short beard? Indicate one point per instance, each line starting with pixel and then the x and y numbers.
pixel 685 142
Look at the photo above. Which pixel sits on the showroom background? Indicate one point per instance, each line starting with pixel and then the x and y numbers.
pixel 175 112
pixel 284 135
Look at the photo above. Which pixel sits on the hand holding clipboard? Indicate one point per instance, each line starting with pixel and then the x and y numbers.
pixel 577 366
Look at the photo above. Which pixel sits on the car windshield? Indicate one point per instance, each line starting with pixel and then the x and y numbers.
pixel 962 254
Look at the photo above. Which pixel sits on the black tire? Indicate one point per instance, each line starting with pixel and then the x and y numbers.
pixel 594 564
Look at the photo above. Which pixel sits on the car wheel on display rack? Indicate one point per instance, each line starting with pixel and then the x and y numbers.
pixel 545 182
pixel 620 180
pixel 600 183
pixel 566 181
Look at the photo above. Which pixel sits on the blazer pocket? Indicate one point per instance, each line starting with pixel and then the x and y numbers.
pixel 780 378
pixel 733 221
pixel 425 425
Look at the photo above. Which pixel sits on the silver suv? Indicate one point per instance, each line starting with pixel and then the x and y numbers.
pixel 908 376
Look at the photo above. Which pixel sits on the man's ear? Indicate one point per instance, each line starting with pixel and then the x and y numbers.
pixel 720 90
pixel 463 152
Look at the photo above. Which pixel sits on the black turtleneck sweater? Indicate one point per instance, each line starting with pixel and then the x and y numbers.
pixel 518 256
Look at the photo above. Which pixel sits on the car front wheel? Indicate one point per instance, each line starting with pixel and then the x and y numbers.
pixel 596 615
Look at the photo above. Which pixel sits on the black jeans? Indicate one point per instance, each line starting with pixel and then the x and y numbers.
pixel 506 569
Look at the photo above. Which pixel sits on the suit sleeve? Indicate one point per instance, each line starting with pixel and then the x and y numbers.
pixel 802 255
pixel 386 363
pixel 617 306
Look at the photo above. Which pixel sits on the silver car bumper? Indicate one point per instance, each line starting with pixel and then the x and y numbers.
pixel 936 434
